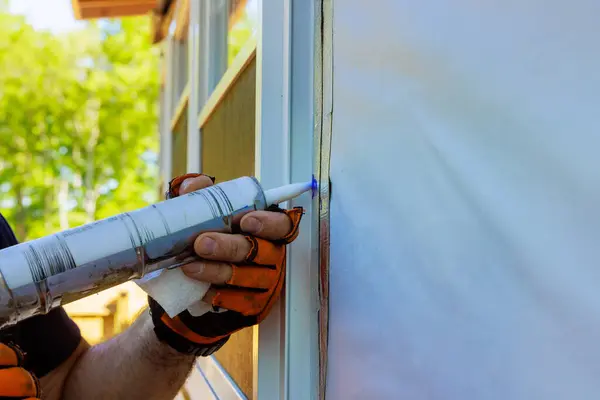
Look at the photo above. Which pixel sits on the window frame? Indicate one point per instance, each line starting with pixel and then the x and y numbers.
pixel 286 347
pixel 285 152
pixel 166 108
pixel 194 141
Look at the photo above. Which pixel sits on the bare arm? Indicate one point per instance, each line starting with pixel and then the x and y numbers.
pixel 132 365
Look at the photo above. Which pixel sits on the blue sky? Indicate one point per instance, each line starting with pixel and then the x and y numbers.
pixel 53 15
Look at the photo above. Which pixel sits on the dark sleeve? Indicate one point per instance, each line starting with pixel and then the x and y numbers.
pixel 48 340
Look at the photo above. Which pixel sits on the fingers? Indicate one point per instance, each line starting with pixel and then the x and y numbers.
pixel 193 184
pixel 210 272
pixel 15 382
pixel 246 302
pixel 236 249
pixel 253 277
pixel 266 253
pixel 222 247
pixel 227 274
pixel 9 357
pixel 242 301
pixel 266 224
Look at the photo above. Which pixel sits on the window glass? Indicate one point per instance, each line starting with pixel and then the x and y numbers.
pixel 180 51
pixel 180 70
pixel 243 21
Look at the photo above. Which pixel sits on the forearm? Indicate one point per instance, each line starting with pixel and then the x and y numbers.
pixel 133 365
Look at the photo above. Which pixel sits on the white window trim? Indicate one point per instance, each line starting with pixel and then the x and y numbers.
pixel 272 168
pixel 194 151
pixel 286 343
pixel 301 341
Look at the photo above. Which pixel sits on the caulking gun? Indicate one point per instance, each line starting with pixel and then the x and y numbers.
pixel 45 273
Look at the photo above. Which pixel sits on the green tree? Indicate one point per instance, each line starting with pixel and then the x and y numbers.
pixel 78 123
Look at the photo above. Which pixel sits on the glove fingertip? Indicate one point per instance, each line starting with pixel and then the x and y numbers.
pixel 10 355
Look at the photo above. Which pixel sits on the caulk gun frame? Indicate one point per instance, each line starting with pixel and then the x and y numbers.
pixel 54 270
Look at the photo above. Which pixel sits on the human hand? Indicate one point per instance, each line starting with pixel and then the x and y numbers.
pixel 246 270
pixel 15 381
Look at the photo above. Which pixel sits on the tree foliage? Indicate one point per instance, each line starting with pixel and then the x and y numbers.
pixel 78 123
pixel 239 34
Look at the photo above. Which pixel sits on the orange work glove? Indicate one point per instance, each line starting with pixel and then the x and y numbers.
pixel 248 296
pixel 16 382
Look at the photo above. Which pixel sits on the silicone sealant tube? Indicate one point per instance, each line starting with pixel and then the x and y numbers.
pixel 45 273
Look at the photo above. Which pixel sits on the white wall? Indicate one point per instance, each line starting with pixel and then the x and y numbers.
pixel 465 215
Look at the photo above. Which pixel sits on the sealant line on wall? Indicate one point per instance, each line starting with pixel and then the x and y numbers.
pixel 323 131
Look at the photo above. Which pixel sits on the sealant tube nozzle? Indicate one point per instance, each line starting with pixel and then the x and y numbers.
pixel 287 192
